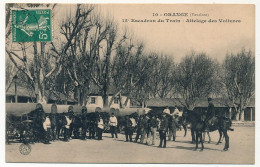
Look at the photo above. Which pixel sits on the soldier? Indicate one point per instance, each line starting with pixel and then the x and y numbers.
pixel 162 130
pixel 71 117
pixel 84 122
pixel 128 129
pixel 67 127
pixel 210 114
pixel 92 125
pixel 113 125
pixel 145 128
pixel 172 126
pixel 53 121
pixel 139 128
pixel 153 128
pixel 100 127
pixel 39 118
pixel 47 130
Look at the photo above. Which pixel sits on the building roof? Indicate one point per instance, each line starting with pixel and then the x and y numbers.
pixel 95 90
pixel 26 92
pixel 172 102
pixel 21 91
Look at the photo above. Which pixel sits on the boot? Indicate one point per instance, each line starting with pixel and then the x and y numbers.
pixel 160 143
pixel 164 144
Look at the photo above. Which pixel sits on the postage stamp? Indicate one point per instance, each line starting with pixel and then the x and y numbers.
pixel 31 25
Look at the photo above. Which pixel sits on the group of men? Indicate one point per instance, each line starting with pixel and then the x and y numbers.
pixel 145 126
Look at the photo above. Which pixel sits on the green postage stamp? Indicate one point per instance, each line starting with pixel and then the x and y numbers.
pixel 31 25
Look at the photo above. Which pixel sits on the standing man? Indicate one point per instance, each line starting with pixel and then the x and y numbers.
pixel 162 130
pixel 145 126
pixel 153 128
pixel 113 125
pixel 100 127
pixel 172 126
pixel 128 129
pixel 71 117
pixel 84 122
pixel 210 114
pixel 139 128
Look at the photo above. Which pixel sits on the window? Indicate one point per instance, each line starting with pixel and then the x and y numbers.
pixel 116 100
pixel 93 100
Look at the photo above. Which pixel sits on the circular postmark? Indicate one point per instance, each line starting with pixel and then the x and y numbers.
pixel 25 149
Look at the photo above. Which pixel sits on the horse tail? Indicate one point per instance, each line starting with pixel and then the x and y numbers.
pixel 231 129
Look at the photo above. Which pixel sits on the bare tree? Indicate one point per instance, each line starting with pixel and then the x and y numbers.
pixel 195 79
pixel 75 30
pixel 238 79
pixel 162 82
pixel 24 56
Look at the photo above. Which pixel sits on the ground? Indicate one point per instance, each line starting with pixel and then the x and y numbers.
pixel 108 150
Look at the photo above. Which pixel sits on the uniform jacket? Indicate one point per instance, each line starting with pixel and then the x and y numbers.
pixel 210 111
pixel 153 123
pixel 164 124
pixel 113 121
pixel 172 123
pixel 100 124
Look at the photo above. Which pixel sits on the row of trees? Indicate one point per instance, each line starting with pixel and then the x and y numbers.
pixel 90 50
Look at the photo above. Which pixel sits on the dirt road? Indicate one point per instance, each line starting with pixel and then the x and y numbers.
pixel 110 150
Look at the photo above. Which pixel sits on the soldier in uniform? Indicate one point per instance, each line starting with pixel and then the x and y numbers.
pixel 128 129
pixel 210 114
pixel 145 128
pixel 39 118
pixel 162 130
pixel 172 126
pixel 153 128
pixel 100 127
pixel 84 122
pixel 139 128
pixel 53 120
pixel 71 117
pixel 113 125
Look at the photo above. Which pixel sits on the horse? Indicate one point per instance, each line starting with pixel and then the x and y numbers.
pixel 182 122
pixel 222 124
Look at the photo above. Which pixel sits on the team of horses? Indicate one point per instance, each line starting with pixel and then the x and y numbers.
pixel 29 127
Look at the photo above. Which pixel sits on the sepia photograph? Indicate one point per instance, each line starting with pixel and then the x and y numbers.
pixel 130 83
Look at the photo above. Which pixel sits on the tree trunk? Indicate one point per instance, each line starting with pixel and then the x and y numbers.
pixel 242 115
pixel 105 100
pixel 237 116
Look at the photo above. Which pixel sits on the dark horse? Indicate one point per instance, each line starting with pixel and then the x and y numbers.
pixel 222 124
pixel 182 122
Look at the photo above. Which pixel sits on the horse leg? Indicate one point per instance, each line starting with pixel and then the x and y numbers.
pixel 185 130
pixel 209 137
pixel 226 140
pixel 220 136
pixel 197 141
pixel 203 136
pixel 201 140
pixel 192 135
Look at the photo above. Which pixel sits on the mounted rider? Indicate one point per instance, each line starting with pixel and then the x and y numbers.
pixel 210 115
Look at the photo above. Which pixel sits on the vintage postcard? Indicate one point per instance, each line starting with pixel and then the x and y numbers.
pixel 130 83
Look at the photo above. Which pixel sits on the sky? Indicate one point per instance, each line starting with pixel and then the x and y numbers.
pixel 179 39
